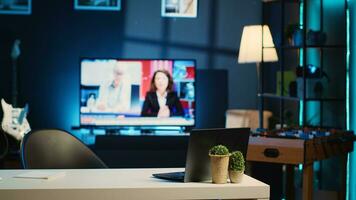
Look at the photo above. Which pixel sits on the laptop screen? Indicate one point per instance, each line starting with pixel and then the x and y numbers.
pixel 197 168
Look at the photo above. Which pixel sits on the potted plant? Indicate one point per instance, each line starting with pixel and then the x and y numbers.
pixel 294 34
pixel 219 159
pixel 236 167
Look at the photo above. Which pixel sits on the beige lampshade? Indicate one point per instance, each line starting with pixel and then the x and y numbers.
pixel 251 47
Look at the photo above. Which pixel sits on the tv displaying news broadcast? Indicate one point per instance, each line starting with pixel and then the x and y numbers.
pixel 117 92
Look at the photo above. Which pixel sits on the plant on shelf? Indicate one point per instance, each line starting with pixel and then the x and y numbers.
pixel 236 167
pixel 294 35
pixel 219 159
pixel 219 150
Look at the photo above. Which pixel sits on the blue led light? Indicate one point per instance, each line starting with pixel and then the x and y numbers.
pixel 348 97
pixel 301 53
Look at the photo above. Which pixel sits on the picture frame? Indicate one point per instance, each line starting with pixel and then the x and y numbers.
pixel 179 8
pixel 16 7
pixel 106 5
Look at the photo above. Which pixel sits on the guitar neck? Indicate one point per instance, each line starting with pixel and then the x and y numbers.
pixel 14 83
pixel 15 53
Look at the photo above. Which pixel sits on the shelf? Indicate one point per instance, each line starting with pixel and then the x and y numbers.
pixel 325 99
pixel 314 46
pixel 278 1
pixel 275 96
pixel 324 50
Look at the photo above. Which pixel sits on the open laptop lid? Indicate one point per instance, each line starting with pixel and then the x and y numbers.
pixel 197 167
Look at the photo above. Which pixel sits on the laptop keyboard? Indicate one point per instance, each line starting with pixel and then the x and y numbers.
pixel 175 176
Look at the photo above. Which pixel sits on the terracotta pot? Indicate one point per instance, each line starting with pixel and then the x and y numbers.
pixel 219 168
pixel 236 176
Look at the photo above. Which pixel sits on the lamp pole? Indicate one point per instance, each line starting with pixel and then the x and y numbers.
pixel 259 95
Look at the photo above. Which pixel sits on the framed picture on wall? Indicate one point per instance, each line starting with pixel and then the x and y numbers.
pixel 16 7
pixel 112 5
pixel 179 8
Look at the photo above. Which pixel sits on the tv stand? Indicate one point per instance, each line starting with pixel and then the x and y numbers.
pixel 148 131
pixel 136 131
pixel 121 147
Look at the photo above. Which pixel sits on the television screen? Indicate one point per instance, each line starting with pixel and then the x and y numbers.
pixel 116 92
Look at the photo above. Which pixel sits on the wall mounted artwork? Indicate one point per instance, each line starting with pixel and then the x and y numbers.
pixel 15 7
pixel 110 5
pixel 179 8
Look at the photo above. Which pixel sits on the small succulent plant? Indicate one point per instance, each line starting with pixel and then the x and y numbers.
pixel 219 150
pixel 237 161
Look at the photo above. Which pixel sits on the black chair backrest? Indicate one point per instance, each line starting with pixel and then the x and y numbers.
pixel 56 149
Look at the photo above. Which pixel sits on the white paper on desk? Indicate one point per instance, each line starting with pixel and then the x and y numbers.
pixel 48 175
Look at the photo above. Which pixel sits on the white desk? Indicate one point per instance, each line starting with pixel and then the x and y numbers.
pixel 105 184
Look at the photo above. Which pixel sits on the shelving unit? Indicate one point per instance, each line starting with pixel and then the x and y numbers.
pixel 318 101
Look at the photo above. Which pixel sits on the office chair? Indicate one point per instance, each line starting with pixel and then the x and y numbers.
pixel 56 149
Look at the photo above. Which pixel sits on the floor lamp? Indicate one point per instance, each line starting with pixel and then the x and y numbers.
pixel 257 46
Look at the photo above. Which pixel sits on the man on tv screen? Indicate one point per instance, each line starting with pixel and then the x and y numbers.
pixel 115 95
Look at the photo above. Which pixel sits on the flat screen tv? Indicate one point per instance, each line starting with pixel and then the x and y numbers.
pixel 123 92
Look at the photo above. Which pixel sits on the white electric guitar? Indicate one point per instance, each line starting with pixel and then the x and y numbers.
pixel 14 121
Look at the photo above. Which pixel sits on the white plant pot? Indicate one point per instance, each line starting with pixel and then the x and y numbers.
pixel 219 168
pixel 236 176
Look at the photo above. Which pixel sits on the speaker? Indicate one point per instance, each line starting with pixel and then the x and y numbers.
pixel 212 98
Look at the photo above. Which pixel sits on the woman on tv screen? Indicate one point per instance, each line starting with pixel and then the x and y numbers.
pixel 161 100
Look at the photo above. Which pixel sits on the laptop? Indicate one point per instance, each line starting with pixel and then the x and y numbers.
pixel 197 166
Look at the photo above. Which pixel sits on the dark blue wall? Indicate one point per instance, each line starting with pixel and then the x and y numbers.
pixel 55 36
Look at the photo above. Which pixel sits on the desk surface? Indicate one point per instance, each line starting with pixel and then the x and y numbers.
pixel 105 184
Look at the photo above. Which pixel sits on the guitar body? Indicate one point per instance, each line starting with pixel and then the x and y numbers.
pixel 14 121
